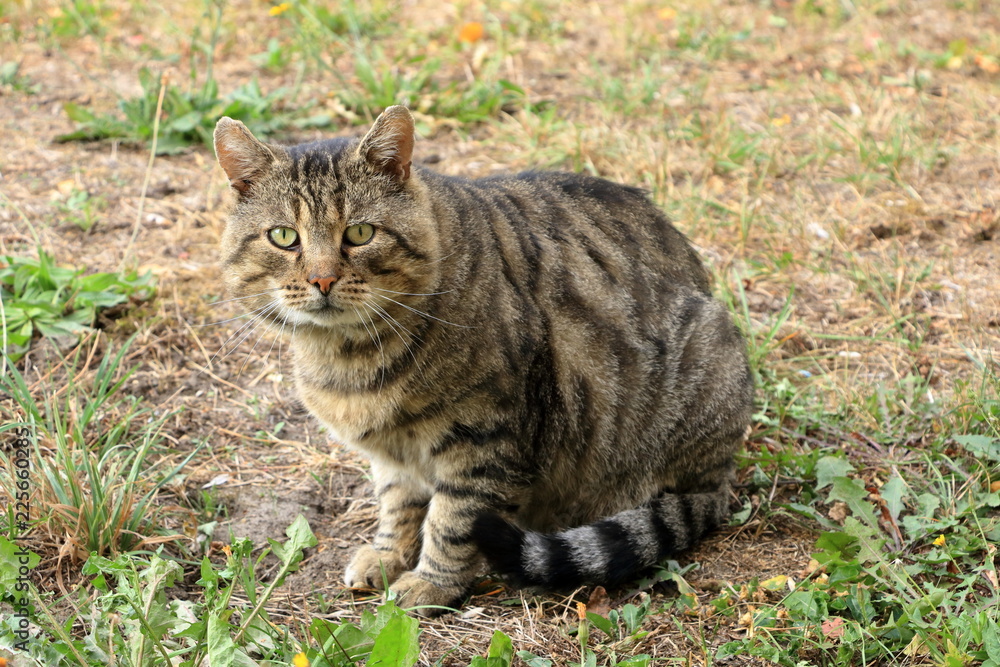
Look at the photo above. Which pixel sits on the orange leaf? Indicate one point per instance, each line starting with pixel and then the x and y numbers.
pixel 471 32
pixel 599 602
pixel 833 627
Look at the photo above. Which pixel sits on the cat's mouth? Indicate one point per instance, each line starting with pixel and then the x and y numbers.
pixel 324 309
pixel 321 312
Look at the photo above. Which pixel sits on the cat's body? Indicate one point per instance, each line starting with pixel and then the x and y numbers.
pixel 540 348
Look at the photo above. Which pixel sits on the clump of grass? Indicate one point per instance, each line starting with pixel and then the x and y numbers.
pixel 188 114
pixel 11 78
pixel 93 453
pixel 133 616
pixel 903 567
pixel 381 80
pixel 40 297
pixel 82 208
pixel 416 85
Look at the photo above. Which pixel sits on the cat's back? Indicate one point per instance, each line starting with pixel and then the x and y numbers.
pixel 574 228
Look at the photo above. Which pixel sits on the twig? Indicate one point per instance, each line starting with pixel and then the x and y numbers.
pixel 149 173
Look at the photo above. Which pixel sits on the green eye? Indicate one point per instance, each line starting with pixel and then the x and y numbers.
pixel 283 237
pixel 359 234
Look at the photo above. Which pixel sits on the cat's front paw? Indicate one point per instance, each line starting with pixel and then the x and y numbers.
pixel 372 569
pixel 425 598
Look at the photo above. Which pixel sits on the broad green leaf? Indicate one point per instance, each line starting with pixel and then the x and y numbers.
pixel 641 660
pixel 602 624
pixel 397 644
pixel 99 564
pixel 871 545
pixel 532 660
pixel 159 576
pixel 991 643
pixel 186 123
pixel 299 535
pixel 892 493
pixel 980 445
pixel 78 114
pixel 349 641
pixel 807 604
pixel 852 492
pixel 12 558
pixel 222 652
pixel 830 467
pixel 501 650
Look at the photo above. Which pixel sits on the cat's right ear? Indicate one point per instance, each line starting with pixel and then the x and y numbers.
pixel 243 157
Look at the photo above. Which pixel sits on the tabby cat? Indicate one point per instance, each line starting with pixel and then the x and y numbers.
pixel 533 363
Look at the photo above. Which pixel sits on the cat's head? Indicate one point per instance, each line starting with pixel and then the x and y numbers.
pixel 323 234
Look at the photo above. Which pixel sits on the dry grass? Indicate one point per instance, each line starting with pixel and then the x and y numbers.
pixel 835 153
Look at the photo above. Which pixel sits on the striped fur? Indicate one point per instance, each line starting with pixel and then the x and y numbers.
pixel 533 363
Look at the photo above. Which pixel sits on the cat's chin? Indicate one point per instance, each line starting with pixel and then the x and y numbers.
pixel 325 318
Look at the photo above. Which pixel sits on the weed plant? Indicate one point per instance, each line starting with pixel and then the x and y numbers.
pixel 95 455
pixel 41 298
pixel 132 621
pixel 189 113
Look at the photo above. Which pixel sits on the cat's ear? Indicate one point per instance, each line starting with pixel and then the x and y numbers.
pixel 243 157
pixel 388 146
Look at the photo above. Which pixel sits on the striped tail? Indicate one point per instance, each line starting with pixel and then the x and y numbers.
pixel 610 551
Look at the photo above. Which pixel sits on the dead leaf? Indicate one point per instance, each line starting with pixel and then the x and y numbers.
pixel 599 602
pixel 838 512
pixel 66 186
pixel 833 627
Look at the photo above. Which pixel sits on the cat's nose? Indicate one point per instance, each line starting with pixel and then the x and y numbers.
pixel 324 283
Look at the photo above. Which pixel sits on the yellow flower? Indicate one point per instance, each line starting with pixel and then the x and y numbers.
pixel 471 32
pixel 280 9
pixel 667 14
pixel 300 660
pixel 939 542
pixel 784 119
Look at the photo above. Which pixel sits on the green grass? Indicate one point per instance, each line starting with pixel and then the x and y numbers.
pixel 188 113
pixel 42 298
pixel 93 455
pixel 135 619
pixel 12 79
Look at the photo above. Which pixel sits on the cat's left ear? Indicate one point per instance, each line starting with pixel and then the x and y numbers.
pixel 388 146
pixel 241 155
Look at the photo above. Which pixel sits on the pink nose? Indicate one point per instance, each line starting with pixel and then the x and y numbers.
pixel 324 283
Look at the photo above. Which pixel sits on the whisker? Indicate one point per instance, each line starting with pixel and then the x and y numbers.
pixel 374 341
pixel 255 322
pixel 246 324
pixel 422 313
pixel 393 323
pixel 441 259
pixel 284 321
pixel 256 343
pixel 412 293
pixel 392 320
pixel 240 298
pixel 238 317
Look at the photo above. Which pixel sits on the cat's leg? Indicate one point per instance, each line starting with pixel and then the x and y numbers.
pixel 402 502
pixel 450 561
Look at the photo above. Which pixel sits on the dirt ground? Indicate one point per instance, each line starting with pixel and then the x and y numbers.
pixel 945 219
